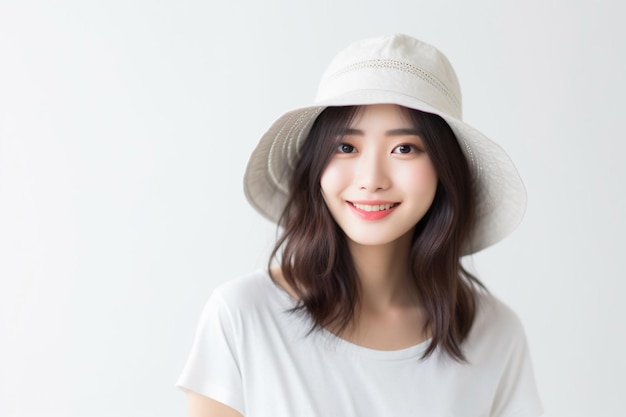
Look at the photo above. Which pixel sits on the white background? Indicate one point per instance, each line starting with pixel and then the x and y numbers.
pixel 125 127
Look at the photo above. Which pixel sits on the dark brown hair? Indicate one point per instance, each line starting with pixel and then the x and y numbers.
pixel 316 261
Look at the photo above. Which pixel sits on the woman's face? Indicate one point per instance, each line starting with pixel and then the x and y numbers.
pixel 380 181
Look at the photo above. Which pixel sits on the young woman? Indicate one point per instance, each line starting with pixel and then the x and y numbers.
pixel 380 188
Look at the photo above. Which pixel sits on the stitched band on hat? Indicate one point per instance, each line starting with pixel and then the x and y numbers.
pixel 311 115
pixel 296 134
pixel 401 66
pixel 287 151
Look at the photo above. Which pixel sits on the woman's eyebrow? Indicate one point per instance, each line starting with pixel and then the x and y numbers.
pixel 406 131
pixel 348 131
pixel 403 132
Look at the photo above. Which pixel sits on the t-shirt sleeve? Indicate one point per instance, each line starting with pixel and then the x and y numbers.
pixel 517 394
pixel 212 368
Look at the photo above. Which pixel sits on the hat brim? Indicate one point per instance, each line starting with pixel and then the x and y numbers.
pixel 500 192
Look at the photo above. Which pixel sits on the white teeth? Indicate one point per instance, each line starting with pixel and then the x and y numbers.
pixel 376 207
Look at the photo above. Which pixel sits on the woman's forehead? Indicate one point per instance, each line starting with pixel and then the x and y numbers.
pixel 390 113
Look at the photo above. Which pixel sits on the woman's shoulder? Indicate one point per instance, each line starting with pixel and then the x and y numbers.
pixel 496 324
pixel 244 288
pixel 253 291
pixel 495 311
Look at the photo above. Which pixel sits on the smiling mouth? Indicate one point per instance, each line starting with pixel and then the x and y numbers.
pixel 375 207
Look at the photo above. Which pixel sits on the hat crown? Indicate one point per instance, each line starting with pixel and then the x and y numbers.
pixel 398 64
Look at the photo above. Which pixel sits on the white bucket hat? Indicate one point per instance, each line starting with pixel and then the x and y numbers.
pixel 399 70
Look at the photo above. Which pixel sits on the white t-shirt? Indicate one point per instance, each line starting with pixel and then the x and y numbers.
pixel 252 355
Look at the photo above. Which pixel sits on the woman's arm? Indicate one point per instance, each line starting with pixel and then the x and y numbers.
pixel 201 406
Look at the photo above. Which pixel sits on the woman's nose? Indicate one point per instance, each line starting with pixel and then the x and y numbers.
pixel 372 173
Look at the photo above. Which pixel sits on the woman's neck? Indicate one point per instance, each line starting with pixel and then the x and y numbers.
pixel 384 275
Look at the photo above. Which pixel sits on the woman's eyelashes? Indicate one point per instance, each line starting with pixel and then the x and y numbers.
pixel 403 149
pixel 345 148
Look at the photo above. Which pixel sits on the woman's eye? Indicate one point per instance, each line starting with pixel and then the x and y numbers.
pixel 345 148
pixel 403 149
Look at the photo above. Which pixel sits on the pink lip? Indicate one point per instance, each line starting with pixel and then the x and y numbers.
pixel 371 215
